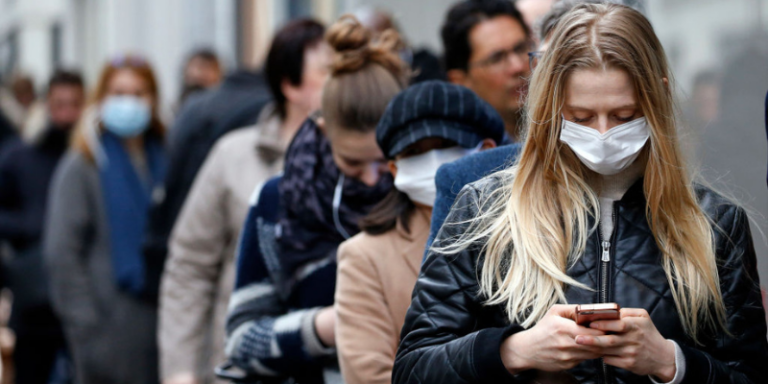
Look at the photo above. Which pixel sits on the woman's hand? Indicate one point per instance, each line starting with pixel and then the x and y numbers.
pixel 325 326
pixel 636 346
pixel 550 345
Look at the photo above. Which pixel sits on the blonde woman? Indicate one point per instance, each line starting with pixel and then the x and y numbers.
pixel 598 208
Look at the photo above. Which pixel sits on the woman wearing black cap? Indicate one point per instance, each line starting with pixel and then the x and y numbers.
pixel 424 127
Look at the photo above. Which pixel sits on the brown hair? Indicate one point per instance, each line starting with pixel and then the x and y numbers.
pixel 365 75
pixel 141 68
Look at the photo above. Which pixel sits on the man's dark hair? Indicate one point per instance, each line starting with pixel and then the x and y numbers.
pixel 464 16
pixel 66 78
pixel 285 60
pixel 205 54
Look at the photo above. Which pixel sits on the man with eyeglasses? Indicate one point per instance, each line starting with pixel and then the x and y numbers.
pixel 486 49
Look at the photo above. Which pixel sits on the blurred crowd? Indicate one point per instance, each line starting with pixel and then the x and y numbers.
pixel 272 227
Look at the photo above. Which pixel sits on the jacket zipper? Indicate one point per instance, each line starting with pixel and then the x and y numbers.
pixel 605 269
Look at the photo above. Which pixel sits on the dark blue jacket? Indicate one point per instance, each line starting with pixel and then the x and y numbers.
pixel 267 337
pixel 25 174
pixel 25 177
pixel 453 176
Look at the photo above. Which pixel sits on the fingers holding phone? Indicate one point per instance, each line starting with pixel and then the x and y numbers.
pixel 632 342
pixel 549 345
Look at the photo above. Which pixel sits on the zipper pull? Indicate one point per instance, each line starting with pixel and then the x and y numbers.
pixel 606 251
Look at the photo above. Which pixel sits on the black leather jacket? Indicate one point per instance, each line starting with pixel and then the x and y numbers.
pixel 449 336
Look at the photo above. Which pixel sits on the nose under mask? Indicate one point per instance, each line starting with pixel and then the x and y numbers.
pixel 416 174
pixel 608 153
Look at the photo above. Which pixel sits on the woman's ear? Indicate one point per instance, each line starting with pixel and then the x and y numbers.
pixel 457 76
pixel 320 121
pixel 392 168
pixel 666 83
pixel 488 144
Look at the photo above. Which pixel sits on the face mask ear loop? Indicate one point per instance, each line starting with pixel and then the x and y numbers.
pixel 336 204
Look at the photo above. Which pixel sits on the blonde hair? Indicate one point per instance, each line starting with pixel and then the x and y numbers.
pixel 366 73
pixel 533 227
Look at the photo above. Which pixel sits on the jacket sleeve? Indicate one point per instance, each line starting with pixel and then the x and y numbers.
pixel 69 227
pixel 444 198
pixel 263 337
pixel 742 357
pixel 366 336
pixel 190 280
pixel 442 340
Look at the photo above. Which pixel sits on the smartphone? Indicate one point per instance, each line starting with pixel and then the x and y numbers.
pixel 587 313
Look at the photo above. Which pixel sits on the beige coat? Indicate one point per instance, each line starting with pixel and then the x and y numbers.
pixel 199 273
pixel 376 275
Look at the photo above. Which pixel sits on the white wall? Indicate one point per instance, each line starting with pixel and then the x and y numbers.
pixel 164 31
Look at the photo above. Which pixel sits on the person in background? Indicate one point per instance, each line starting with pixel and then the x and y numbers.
pixel 98 206
pixel 598 208
pixel 25 175
pixel 378 267
pixel 704 107
pixel 23 90
pixel 18 99
pixel 199 274
pixel 201 71
pixel 486 46
pixel 281 321
pixel 452 177
pixel 202 120
pixel 425 65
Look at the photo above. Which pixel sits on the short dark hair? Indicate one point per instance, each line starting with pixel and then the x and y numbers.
pixel 285 59
pixel 205 54
pixel 464 16
pixel 65 78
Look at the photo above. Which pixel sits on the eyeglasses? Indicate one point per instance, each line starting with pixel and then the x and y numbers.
pixel 499 60
pixel 533 58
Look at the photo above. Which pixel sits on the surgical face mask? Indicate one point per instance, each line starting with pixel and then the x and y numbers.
pixel 416 174
pixel 608 153
pixel 125 116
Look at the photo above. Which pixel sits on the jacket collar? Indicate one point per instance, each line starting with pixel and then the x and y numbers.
pixel 268 144
pixel 415 241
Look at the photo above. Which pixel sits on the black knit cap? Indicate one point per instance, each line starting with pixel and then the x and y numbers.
pixel 437 109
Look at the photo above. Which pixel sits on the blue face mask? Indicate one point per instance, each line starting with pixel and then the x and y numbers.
pixel 125 116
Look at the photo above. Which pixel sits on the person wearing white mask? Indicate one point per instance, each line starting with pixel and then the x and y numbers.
pixel 598 208
pixel 424 127
pixel 97 215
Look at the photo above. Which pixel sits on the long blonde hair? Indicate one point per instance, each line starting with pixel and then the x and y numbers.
pixel 536 224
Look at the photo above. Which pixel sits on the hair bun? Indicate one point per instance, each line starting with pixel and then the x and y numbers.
pixel 355 47
pixel 348 35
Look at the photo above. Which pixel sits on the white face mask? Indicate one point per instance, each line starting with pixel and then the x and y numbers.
pixel 608 153
pixel 416 174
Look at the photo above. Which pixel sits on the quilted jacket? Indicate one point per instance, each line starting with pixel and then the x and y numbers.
pixel 450 336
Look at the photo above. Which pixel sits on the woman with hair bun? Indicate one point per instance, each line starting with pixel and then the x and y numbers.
pixel 281 322
pixel 597 209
